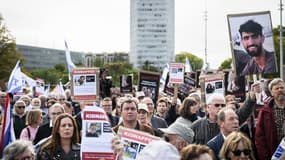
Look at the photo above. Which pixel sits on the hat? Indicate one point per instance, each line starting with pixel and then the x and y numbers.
pixel 159 149
pixel 140 94
pixel 143 106
pixel 180 129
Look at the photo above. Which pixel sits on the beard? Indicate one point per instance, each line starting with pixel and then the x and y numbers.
pixel 281 98
pixel 256 53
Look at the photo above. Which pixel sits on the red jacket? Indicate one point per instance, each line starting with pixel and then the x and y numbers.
pixel 266 132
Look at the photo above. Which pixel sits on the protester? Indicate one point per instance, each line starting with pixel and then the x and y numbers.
pixel 196 152
pixel 236 147
pixel 206 128
pixel 142 114
pixel 19 150
pixel 33 121
pixel 19 117
pixel 188 112
pixel 106 104
pixel 105 84
pixel 36 103
pixel 129 113
pixel 228 123
pixel 155 121
pixel 68 107
pixel 45 130
pixel 64 142
pixel 270 128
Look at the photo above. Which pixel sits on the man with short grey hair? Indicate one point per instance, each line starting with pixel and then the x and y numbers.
pixel 271 121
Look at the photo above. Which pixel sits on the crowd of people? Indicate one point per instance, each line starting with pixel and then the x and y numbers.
pixel 50 127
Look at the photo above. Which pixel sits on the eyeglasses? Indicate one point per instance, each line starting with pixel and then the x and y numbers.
pixel 218 105
pixel 149 104
pixel 238 152
pixel 21 107
pixel 56 113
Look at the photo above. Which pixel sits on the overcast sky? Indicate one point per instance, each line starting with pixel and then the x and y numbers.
pixel 103 25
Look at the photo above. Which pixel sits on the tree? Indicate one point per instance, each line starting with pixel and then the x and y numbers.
pixel 276 40
pixel 116 69
pixel 8 52
pixel 195 62
pixel 226 64
pixel 52 75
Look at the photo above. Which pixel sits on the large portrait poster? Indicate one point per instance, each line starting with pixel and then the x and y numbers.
pixel 252 44
pixel 134 141
pixel 126 83
pixel 176 73
pixel 149 84
pixel 84 84
pixel 97 135
pixel 212 83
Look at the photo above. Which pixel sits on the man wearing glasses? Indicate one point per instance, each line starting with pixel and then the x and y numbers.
pixel 19 117
pixel 46 129
pixel 206 128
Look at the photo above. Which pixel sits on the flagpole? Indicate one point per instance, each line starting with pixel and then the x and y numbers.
pixel 281 41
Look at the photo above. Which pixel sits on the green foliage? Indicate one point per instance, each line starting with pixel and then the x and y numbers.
pixel 52 75
pixel 99 63
pixel 195 62
pixel 276 40
pixel 117 69
pixel 8 52
pixel 226 64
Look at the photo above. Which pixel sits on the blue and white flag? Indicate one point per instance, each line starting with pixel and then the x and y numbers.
pixel 8 135
pixel 46 93
pixel 164 74
pixel 70 64
pixel 188 67
pixel 15 81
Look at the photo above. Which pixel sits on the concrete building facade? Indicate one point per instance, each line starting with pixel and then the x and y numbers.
pixel 44 58
pixel 151 32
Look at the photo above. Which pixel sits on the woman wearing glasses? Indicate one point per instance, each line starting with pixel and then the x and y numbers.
pixel 19 117
pixel 237 147
pixel 63 143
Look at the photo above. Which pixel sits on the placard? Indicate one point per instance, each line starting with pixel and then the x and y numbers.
pixel 84 84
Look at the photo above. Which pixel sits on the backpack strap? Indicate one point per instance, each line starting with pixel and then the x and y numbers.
pixel 29 133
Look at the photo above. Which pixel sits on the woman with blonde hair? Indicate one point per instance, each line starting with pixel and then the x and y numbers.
pixel 64 141
pixel 33 120
pixel 236 147
pixel 197 152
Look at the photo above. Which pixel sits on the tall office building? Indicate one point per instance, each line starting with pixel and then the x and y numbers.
pixel 152 32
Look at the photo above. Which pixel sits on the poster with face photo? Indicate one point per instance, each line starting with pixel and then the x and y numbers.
pixel 84 84
pixel 126 83
pixel 149 84
pixel 252 44
pixel 212 83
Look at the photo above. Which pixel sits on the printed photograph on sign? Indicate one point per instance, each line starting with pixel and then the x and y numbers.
pixel 94 129
pixel 252 44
